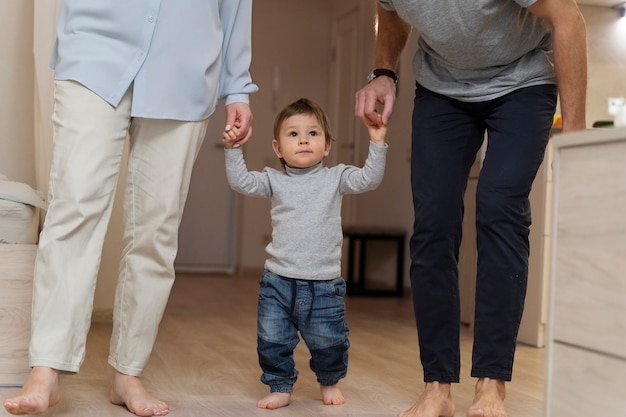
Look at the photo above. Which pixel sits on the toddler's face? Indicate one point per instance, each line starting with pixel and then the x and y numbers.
pixel 301 142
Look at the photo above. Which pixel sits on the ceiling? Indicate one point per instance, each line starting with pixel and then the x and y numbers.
pixel 603 3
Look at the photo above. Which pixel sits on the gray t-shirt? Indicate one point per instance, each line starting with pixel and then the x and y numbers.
pixel 477 50
pixel 306 210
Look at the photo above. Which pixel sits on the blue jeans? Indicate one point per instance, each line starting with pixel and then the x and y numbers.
pixel 316 309
pixel 446 137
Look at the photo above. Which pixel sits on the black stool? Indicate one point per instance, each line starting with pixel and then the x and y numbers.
pixel 356 285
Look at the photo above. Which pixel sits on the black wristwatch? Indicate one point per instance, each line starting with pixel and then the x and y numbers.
pixel 377 72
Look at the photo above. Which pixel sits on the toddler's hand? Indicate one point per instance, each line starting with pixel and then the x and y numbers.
pixel 229 137
pixel 378 133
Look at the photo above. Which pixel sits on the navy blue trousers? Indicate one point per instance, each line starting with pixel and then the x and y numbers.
pixel 447 135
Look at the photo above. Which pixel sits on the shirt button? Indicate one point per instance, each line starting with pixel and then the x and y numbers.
pixel 140 57
pixel 150 19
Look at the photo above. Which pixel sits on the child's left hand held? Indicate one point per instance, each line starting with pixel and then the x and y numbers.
pixel 378 133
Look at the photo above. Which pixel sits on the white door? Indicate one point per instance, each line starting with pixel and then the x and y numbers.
pixel 345 79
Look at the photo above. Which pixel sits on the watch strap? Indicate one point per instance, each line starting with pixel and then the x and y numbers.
pixel 377 72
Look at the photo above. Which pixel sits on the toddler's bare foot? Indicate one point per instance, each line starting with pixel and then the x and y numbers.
pixel 40 391
pixel 488 399
pixel 331 395
pixel 435 401
pixel 274 400
pixel 129 391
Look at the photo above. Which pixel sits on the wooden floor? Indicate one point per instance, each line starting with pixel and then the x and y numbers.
pixel 205 362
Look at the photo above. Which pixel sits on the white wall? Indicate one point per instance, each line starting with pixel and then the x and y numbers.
pixel 607 59
pixel 17 146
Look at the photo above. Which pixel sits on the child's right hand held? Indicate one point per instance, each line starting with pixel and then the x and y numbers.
pixel 229 137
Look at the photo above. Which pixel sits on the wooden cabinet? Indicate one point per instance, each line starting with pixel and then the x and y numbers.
pixel 17 264
pixel 587 328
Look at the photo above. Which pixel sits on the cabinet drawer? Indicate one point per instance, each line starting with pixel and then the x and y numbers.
pixel 584 383
pixel 16 288
pixel 590 280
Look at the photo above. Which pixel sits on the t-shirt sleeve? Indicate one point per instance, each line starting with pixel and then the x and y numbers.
pixel 387 5
pixel 525 3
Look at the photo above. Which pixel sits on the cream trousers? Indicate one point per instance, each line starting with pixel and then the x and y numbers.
pixel 89 140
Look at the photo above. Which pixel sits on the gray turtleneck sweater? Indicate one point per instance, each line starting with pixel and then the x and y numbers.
pixel 306 209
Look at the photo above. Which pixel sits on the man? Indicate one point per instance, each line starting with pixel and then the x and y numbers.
pixel 489 66
pixel 151 70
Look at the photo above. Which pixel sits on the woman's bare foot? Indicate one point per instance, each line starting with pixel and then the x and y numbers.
pixel 488 399
pixel 274 400
pixel 435 401
pixel 331 395
pixel 39 392
pixel 129 391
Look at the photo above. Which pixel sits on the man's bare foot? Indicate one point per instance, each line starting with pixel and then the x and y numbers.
pixel 39 392
pixel 331 395
pixel 129 391
pixel 488 399
pixel 274 400
pixel 435 401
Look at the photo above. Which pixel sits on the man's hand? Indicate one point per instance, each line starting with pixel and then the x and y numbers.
pixel 381 90
pixel 391 38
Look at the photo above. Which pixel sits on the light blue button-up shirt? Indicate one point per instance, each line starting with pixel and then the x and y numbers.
pixel 180 55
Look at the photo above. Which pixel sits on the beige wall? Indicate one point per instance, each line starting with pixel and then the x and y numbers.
pixel 291 59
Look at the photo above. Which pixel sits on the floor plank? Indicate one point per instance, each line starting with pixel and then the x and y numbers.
pixel 205 363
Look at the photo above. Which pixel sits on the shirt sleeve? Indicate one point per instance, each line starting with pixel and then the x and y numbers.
pixel 387 5
pixel 235 80
pixel 357 180
pixel 251 183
